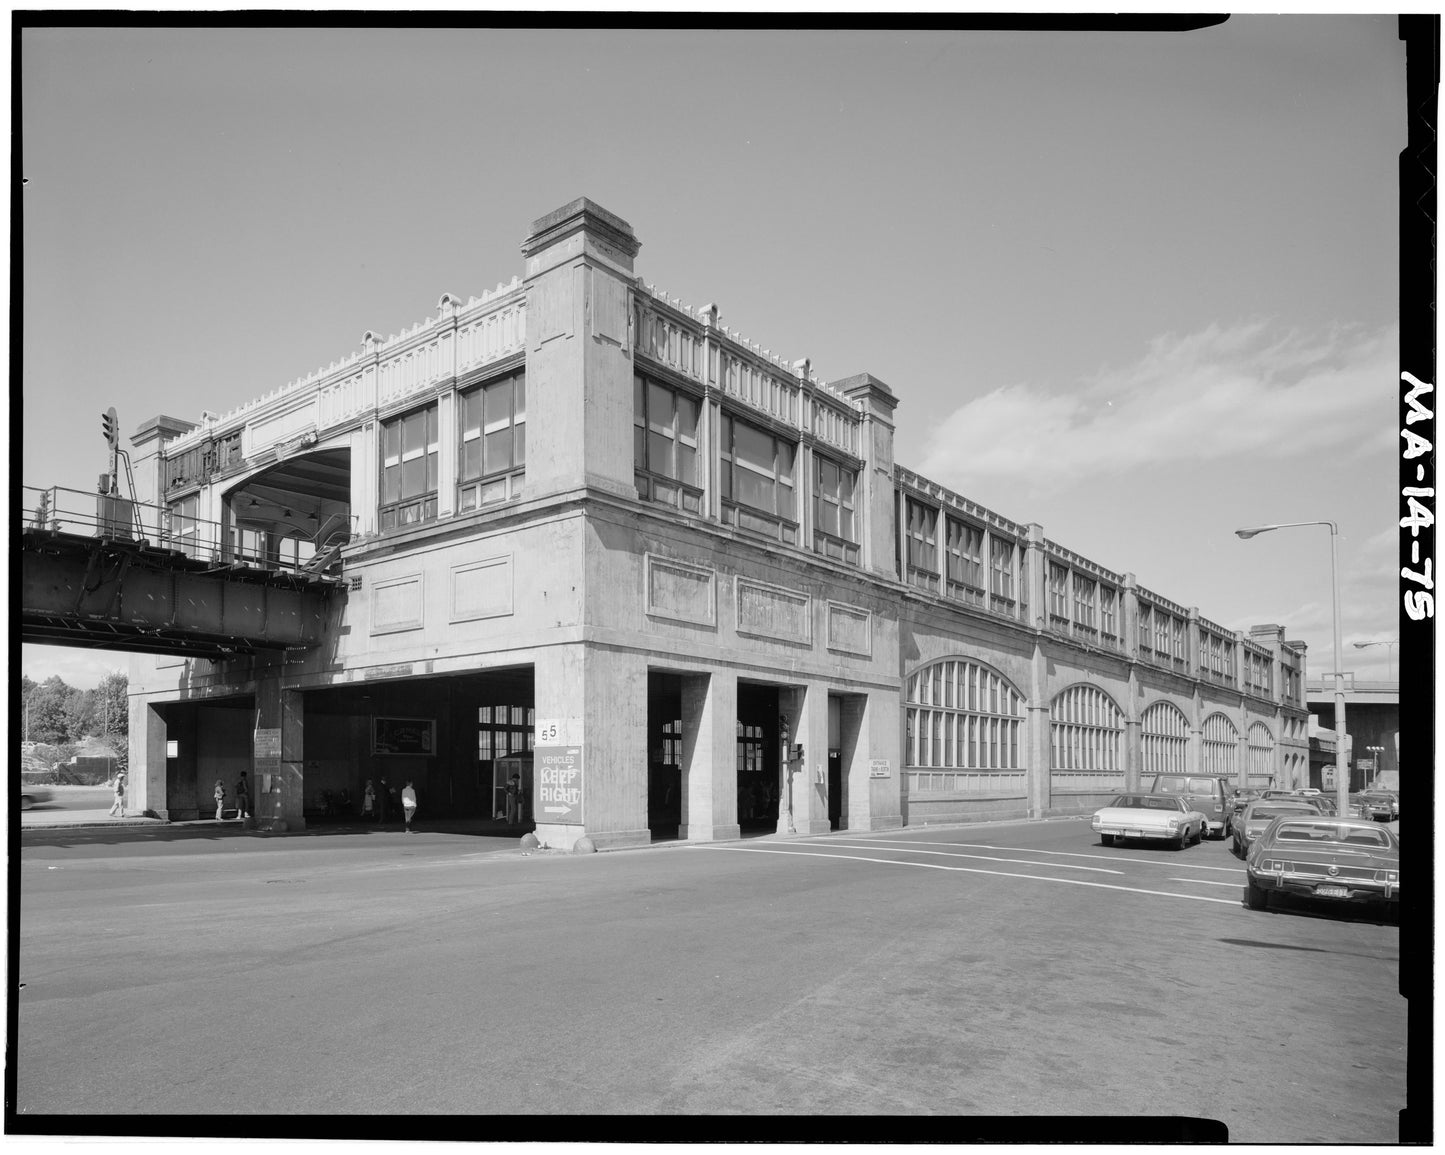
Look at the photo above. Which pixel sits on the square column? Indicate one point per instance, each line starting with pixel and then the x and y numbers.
pixel 597 697
pixel 145 789
pixel 871 723
pixel 277 778
pixel 709 757
pixel 803 808
pixel 1039 738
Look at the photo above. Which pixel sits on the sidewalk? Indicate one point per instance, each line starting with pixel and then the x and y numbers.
pixel 46 818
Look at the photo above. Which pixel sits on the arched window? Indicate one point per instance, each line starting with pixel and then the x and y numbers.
pixel 1221 745
pixel 1261 752
pixel 1087 730
pixel 965 716
pixel 1164 739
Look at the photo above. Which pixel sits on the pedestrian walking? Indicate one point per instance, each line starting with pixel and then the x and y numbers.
pixel 368 801
pixel 117 808
pixel 408 803
pixel 243 797
pixel 220 793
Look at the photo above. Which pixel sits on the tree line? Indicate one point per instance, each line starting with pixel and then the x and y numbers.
pixel 56 714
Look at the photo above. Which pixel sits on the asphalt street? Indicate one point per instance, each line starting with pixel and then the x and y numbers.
pixel 1013 970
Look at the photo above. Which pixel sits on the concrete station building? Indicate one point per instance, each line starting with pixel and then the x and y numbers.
pixel 577 519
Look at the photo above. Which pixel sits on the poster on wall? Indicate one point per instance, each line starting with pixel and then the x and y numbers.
pixel 403 736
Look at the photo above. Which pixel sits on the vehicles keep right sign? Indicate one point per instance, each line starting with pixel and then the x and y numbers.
pixel 558 772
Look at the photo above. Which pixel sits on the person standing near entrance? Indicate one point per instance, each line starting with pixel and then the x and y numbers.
pixel 514 798
pixel 220 793
pixel 117 808
pixel 382 797
pixel 408 803
pixel 243 797
pixel 368 801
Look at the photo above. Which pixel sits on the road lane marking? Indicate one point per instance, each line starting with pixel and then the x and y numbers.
pixel 984 857
pixel 1202 882
pixel 1035 850
pixel 967 870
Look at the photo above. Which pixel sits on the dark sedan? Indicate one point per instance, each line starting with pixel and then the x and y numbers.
pixel 1259 814
pixel 1352 860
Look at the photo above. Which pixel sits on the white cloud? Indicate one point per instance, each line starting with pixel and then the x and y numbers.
pixel 1204 396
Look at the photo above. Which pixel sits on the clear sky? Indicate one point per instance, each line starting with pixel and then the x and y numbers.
pixel 1140 288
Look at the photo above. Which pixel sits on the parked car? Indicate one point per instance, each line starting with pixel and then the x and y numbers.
pixel 1381 805
pixel 1321 802
pixel 1353 860
pixel 1238 800
pixel 1259 814
pixel 33 794
pixel 1161 816
pixel 1206 793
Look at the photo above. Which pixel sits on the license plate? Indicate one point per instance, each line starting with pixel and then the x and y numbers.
pixel 1133 834
pixel 1332 891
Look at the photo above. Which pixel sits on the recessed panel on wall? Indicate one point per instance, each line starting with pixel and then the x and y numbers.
pixel 774 612
pixel 482 589
pixel 396 604
pixel 678 590
pixel 850 629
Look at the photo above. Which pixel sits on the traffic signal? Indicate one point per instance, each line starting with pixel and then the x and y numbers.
pixel 110 426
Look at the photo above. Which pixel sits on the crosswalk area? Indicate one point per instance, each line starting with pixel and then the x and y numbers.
pixel 1193 875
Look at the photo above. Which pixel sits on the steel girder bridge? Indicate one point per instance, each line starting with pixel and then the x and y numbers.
pixel 103 580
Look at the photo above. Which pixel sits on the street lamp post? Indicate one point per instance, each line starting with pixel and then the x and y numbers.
pixel 1389 654
pixel 1342 768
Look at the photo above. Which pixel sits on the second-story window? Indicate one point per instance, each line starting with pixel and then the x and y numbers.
pixel 492 455
pixel 1146 628
pixel 757 480
pixel 1059 596
pixel 965 561
pixel 1163 634
pixel 1108 615
pixel 664 445
pixel 835 523
pixel 409 468
pixel 1001 565
pixel 922 544
pixel 1086 592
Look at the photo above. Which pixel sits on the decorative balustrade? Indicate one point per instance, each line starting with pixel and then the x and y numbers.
pixel 460 338
pixel 1082 564
pixel 921 486
pixel 691 342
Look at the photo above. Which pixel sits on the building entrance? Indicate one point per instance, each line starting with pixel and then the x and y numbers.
pixel 447 735
pixel 758 740
pixel 664 754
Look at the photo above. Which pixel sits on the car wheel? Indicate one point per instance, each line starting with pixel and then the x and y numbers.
pixel 1106 839
pixel 1199 835
pixel 1182 841
pixel 1254 897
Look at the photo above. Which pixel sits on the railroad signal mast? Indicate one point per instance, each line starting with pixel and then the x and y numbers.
pixel 110 427
pixel 116 516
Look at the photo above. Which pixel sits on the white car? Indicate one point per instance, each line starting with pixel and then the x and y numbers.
pixel 1155 816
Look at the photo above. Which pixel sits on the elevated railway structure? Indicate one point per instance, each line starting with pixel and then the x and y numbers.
pixel 103 572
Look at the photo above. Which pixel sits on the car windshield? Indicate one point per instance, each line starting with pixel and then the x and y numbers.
pixel 1321 832
pixel 1146 802
pixel 1168 785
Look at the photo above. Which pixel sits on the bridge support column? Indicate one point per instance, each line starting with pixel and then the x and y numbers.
pixel 277 756
pixel 146 780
